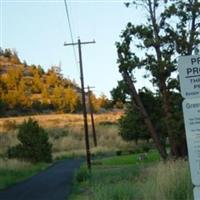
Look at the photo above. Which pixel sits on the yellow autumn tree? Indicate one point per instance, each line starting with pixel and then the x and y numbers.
pixel 70 100
pixel 57 97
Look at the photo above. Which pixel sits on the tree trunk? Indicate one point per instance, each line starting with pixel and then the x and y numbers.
pixel 175 145
pixel 144 113
pixel 178 146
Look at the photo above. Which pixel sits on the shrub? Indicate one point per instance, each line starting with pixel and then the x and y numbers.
pixel 82 174
pixel 145 148
pixel 34 144
pixel 118 152
pixel 105 123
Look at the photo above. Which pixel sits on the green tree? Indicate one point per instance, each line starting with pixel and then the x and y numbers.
pixel 34 145
pixel 3 107
pixel 132 126
pixel 160 40
pixel 119 94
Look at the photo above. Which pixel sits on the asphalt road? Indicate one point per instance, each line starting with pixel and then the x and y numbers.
pixel 51 184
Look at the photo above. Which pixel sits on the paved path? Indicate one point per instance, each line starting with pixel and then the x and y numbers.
pixel 51 184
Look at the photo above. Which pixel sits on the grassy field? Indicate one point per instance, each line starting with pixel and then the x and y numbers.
pixel 128 178
pixel 66 133
pixel 13 171
pixel 59 120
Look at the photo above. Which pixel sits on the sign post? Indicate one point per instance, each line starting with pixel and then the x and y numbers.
pixel 189 72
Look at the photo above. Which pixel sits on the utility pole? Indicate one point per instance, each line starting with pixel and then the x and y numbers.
pixel 87 144
pixel 92 116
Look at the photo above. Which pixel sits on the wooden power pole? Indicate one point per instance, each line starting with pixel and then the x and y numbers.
pixel 92 117
pixel 87 144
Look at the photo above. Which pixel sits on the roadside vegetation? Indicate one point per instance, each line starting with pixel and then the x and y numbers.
pixel 127 177
pixel 140 155
pixel 66 139
pixel 13 171
pixel 66 134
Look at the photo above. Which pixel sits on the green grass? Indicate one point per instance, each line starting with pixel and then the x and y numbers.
pixel 107 183
pixel 168 181
pixel 126 178
pixel 12 175
pixel 112 178
pixel 131 159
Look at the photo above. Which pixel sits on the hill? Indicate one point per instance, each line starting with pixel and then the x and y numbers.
pixel 28 89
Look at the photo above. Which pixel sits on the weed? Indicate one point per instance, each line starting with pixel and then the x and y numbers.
pixel 13 171
pixel 82 174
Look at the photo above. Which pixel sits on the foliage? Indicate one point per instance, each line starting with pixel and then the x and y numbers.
pixel 148 181
pixel 65 133
pixel 152 156
pixel 119 94
pixel 131 124
pixel 82 174
pixel 28 88
pixel 13 171
pixel 114 179
pixel 34 145
pixel 169 180
pixel 170 29
pixel 3 107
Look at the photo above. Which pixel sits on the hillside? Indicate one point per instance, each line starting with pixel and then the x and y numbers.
pixel 29 89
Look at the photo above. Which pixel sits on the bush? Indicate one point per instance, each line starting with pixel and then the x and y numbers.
pixel 34 145
pixel 146 148
pixel 105 123
pixel 118 152
pixel 82 174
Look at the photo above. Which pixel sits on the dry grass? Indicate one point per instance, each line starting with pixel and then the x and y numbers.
pixel 59 120
pixel 7 139
pixel 72 141
pixel 66 133
pixel 169 180
pixel 13 171
pixel 13 164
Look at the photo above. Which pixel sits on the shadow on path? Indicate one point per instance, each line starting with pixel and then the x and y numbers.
pixel 51 184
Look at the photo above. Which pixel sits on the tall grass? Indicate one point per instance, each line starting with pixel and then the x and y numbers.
pixel 108 183
pixel 136 181
pixel 66 133
pixel 13 171
pixel 60 120
pixel 168 181
pixel 7 139
pixel 13 164
pixel 71 141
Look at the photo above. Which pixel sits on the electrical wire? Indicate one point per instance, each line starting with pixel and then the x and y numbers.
pixel 70 29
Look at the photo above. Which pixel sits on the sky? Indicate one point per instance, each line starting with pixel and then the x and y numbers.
pixel 37 30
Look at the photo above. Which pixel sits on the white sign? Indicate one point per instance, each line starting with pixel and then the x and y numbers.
pixel 189 71
pixel 196 192
pixel 191 110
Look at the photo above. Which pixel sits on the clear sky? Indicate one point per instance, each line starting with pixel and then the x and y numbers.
pixel 37 29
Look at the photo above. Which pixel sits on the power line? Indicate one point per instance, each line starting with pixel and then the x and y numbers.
pixel 70 29
pixel 87 143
